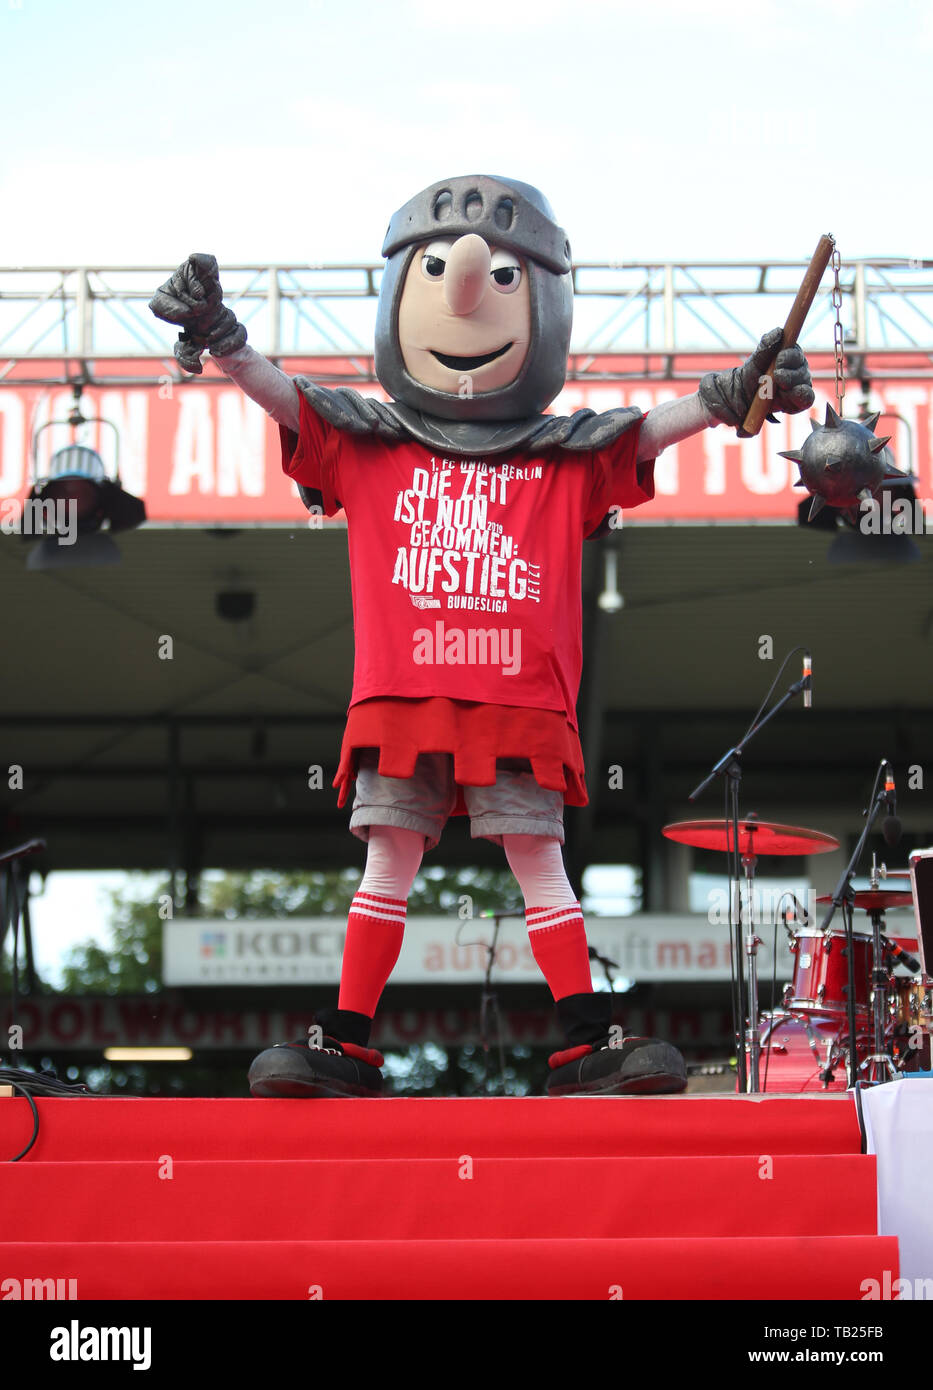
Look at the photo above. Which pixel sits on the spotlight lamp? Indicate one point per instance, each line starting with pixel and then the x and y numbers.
pixel 73 504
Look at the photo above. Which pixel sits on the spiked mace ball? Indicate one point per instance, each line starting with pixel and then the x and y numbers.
pixel 843 463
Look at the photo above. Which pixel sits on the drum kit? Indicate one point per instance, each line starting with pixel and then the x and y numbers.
pixel 805 1045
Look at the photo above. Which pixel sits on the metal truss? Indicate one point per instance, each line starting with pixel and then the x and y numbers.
pixel 631 319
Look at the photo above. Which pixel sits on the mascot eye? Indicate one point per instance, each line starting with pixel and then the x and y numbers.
pixel 434 259
pixel 505 272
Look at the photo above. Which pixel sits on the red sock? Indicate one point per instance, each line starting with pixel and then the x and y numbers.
pixel 558 943
pixel 375 928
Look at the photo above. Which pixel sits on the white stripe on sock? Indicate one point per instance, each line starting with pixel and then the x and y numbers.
pixel 537 919
pixel 368 905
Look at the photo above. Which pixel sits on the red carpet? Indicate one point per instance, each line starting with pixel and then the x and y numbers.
pixel 667 1198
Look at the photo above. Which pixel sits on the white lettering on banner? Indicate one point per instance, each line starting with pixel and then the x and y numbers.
pixel 128 411
pixel 714 447
pixel 12 441
pixel 667 472
pixel 193 454
pixel 241 442
pixel 50 405
pixel 903 400
pixel 570 399
pixel 221 445
pixel 602 398
pixel 796 431
pixel 667 465
pixel 763 469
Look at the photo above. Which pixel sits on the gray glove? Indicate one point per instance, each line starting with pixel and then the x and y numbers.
pixel 193 299
pixel 727 396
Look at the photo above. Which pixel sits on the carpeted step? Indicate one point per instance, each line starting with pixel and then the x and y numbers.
pixel 822 1268
pixel 457 1197
pixel 125 1128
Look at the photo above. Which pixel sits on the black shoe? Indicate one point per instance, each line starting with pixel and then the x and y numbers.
pixel 336 1067
pixel 599 1063
pixel 608 1067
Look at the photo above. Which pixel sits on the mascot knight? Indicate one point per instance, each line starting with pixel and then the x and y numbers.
pixel 467 507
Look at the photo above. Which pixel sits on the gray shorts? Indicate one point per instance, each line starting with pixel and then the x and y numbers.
pixel 516 805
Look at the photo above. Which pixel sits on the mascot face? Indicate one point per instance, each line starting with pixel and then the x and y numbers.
pixel 464 317
pixel 476 302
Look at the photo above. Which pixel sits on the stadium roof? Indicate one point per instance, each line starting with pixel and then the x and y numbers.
pixel 202 760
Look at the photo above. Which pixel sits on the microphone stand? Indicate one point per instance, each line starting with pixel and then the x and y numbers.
pixel 14 914
pixel 843 897
pixel 606 963
pixel 730 767
pixel 489 1001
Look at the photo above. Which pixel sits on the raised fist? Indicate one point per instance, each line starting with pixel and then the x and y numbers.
pixel 192 298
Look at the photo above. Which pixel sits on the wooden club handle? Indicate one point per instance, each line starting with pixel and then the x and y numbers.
pixel 761 405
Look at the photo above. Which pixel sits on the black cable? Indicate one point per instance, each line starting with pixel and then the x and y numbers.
pixel 735 822
pixel 45 1084
pixel 17 1076
pixel 14 907
pixel 871 794
pixel 863 1131
pixel 35 1119
pixel 773 988
pixel 764 702
pixel 736 870
pixel 738 1023
pixel 777 912
pixel 764 1086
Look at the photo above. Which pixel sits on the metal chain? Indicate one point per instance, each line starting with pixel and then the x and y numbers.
pixel 838 346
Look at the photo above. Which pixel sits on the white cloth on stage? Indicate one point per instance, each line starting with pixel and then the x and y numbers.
pixel 899 1130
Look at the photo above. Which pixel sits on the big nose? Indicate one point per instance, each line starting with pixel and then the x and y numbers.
pixel 467 274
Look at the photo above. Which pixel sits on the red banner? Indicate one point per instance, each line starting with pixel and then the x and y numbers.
pixel 201 452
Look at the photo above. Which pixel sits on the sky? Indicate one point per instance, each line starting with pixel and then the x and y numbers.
pixel 290 131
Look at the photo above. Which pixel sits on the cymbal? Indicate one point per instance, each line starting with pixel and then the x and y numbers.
pixel 755 837
pixel 877 899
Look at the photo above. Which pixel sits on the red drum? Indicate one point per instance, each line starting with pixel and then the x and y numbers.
pixel 796 1051
pixel 821 973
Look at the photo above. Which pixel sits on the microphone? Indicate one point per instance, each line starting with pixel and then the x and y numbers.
pixel 891 826
pixel 800 915
pixel 808 677
pixel 899 954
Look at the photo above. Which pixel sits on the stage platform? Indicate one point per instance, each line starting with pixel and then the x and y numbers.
pixel 684 1197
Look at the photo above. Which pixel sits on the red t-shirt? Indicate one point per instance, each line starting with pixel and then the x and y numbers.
pixel 465 572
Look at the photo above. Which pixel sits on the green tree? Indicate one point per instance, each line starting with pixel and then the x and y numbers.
pixel 134 965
